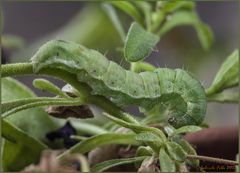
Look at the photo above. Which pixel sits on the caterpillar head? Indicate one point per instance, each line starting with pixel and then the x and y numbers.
pixel 56 52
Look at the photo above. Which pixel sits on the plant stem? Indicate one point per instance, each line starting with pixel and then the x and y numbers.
pixel 213 159
pixel 83 89
pixel 16 69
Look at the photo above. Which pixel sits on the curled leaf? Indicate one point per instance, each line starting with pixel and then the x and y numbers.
pixel 144 151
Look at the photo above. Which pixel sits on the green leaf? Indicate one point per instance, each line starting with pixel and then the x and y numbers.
pixel 46 85
pixel 12 41
pixel 139 43
pixel 144 151
pixel 135 127
pixel 129 9
pixel 178 18
pixel 100 140
pixel 146 9
pixel 30 125
pixel 112 14
pixel 227 76
pixel 100 167
pixel 175 151
pixel 14 90
pixel 189 18
pixel 205 35
pixel 88 128
pixel 187 129
pixel 166 163
pixel 190 151
pixel 148 137
pixel 17 144
pixel 158 18
pixel 225 97
pixel 171 6
pixel 15 135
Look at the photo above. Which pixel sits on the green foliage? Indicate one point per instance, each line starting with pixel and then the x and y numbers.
pixel 46 85
pixel 227 76
pixel 175 151
pixel 100 140
pixel 24 126
pixel 21 130
pixel 100 167
pixel 189 18
pixel 166 163
pixel 136 127
pixel 144 151
pixel 225 97
pixel 139 43
pixel 148 137
pixel 186 129
pixel 129 9
pixel 18 143
pixel 189 150
pixel 88 128
pixel 111 12
pixel 22 104
pixel 12 41
pixel 169 7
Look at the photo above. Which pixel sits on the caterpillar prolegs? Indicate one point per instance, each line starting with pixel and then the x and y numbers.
pixel 178 90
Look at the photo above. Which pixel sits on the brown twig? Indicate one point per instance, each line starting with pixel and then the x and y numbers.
pixel 213 159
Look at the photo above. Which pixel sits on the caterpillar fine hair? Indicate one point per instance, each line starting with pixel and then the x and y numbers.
pixel 176 89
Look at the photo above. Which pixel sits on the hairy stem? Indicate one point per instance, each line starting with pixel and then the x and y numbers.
pixel 212 159
pixel 83 89
pixel 11 107
pixel 16 69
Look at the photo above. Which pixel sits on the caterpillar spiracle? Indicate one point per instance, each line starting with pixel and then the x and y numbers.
pixel 177 89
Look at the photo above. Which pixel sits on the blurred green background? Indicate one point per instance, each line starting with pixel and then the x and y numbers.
pixel 87 23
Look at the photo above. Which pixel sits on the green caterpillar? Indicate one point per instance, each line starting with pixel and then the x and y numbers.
pixel 183 95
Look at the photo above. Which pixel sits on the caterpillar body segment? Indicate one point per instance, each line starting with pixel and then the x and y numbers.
pixel 183 95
